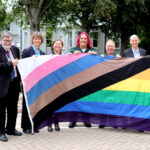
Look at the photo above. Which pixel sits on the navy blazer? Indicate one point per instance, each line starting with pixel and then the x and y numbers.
pixel 6 68
pixel 129 52
pixel 28 52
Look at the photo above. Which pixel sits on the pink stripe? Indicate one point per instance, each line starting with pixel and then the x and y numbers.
pixel 36 75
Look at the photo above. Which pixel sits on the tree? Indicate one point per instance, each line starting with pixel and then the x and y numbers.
pixel 37 12
pixel 116 18
pixel 86 15
pixel 125 21
pixel 3 15
pixel 144 31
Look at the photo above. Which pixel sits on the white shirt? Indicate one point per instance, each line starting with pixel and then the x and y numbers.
pixel 83 50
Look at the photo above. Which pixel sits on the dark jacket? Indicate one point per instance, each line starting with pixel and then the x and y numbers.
pixel 129 53
pixel 28 52
pixel 6 68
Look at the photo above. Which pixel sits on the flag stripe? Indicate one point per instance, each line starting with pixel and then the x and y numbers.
pixel 144 75
pixel 74 81
pixel 61 74
pixel 101 119
pixel 129 110
pixel 123 97
pixel 133 84
pixel 49 67
pixel 31 63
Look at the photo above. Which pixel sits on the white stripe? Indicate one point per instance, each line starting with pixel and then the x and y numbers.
pixel 29 64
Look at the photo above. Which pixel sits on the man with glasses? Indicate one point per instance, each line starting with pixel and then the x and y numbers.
pixel 9 86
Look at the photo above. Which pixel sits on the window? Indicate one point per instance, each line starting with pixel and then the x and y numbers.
pixel 118 45
pixel 94 38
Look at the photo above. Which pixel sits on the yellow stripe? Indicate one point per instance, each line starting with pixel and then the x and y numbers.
pixel 143 75
pixel 138 83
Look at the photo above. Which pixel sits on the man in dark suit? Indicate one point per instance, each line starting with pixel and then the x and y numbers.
pixel 134 51
pixel 9 86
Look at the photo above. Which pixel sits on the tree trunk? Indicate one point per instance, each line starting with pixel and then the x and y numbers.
pixel 34 26
pixel 34 19
pixel 85 30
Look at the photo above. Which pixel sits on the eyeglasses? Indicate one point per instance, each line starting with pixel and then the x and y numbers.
pixel 7 40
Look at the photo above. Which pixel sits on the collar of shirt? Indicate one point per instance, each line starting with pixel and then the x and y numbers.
pixel 36 53
pixel 136 53
pixel 83 50
pixel 86 50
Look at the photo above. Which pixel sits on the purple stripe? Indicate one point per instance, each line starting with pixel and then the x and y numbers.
pixel 101 119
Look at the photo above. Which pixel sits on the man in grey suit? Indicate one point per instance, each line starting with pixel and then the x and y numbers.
pixel 134 51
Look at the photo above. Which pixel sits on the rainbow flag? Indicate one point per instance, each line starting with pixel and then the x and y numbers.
pixel 87 88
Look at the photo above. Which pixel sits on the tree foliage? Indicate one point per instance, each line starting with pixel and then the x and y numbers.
pixel 126 20
pixel 3 15
pixel 37 13
pixel 144 31
pixel 116 18
pixel 86 14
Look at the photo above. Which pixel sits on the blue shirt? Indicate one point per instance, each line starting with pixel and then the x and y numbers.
pixel 36 53
pixel 136 53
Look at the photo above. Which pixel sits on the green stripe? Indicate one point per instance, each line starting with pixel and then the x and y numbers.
pixel 122 97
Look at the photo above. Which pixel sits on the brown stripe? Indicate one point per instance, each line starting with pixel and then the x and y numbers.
pixel 77 80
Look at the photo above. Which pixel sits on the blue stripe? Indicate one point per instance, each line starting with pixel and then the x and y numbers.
pixel 63 73
pixel 129 110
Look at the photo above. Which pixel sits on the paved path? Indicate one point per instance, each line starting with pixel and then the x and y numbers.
pixel 79 138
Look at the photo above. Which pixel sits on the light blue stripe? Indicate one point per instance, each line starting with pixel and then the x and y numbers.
pixel 129 110
pixel 63 73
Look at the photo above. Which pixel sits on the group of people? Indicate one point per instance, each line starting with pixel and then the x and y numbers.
pixel 10 78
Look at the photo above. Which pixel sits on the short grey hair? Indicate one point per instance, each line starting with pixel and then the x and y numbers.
pixel 111 41
pixel 6 34
pixel 133 36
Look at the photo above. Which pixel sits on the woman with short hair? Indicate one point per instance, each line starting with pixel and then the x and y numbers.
pixel 33 50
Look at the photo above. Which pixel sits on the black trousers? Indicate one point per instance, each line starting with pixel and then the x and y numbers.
pixel 25 121
pixel 8 107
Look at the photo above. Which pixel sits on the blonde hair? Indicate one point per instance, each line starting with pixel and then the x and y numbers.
pixel 37 34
